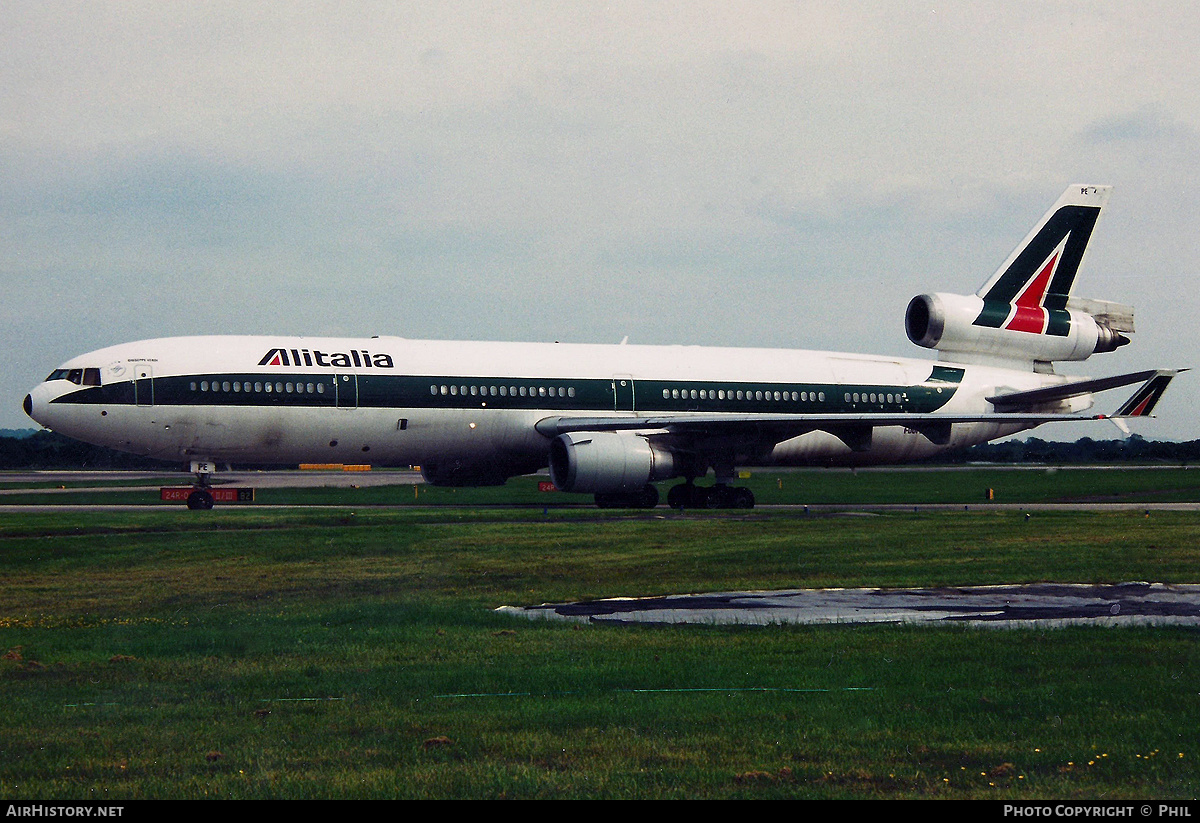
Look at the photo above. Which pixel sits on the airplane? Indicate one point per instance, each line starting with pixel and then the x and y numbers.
pixel 613 420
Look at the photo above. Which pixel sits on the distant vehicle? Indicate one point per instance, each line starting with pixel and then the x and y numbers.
pixel 611 420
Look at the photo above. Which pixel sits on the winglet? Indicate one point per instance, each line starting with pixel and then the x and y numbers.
pixel 1147 396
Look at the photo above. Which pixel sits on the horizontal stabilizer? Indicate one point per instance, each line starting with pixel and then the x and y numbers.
pixel 1115 316
pixel 1146 398
pixel 1016 401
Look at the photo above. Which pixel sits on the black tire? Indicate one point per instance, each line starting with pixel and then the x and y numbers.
pixel 743 498
pixel 648 498
pixel 200 500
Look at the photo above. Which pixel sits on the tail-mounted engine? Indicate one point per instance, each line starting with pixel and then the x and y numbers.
pixel 1026 312
pixel 968 327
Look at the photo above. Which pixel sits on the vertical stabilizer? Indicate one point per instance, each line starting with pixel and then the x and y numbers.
pixel 1026 312
pixel 1029 292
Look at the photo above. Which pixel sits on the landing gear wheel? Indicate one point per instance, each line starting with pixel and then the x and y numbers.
pixel 688 496
pixel 647 498
pixel 200 499
pixel 743 498
pixel 719 497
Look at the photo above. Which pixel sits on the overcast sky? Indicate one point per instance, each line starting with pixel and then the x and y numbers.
pixel 753 173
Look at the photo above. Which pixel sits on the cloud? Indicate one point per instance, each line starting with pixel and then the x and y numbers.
pixel 714 172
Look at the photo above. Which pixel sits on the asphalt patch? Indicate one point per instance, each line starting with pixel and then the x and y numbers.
pixel 1038 604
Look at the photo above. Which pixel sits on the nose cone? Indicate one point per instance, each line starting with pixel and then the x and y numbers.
pixel 36 403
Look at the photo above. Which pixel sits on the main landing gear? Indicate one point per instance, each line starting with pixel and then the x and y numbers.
pixel 720 496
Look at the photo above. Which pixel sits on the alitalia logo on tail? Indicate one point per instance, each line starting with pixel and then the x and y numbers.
pixel 1030 291
pixel 355 358
pixel 1029 312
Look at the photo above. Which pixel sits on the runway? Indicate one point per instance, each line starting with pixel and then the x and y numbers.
pixel 64 484
pixel 1038 604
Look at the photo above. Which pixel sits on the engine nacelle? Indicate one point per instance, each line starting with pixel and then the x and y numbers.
pixel 607 462
pixel 967 325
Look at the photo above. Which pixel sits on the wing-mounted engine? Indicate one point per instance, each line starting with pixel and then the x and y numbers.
pixel 1026 312
pixel 607 462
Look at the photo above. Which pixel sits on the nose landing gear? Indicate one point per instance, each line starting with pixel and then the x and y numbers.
pixel 200 499
pixel 201 496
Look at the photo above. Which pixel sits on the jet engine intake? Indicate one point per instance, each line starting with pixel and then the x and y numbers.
pixel 607 462
pixel 967 325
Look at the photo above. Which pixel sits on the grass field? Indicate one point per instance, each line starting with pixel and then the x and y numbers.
pixel 245 653
pixel 1161 484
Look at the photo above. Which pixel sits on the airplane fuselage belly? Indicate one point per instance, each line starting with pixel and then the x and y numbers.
pixel 394 436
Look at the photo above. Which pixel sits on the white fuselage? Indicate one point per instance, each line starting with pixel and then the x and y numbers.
pixel 392 401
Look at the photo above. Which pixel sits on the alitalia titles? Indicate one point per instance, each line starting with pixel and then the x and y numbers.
pixel 355 358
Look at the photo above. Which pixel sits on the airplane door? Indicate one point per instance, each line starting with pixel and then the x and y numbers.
pixel 622 388
pixel 143 384
pixel 346 387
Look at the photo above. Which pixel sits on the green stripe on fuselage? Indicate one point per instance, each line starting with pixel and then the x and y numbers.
pixel 577 395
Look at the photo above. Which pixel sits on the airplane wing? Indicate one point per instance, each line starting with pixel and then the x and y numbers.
pixel 1019 400
pixel 852 429
pixel 1146 398
pixel 855 429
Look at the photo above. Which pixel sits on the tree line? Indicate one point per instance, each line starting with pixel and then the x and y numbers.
pixel 49 450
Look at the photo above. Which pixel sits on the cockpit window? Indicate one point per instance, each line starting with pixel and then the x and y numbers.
pixel 80 377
